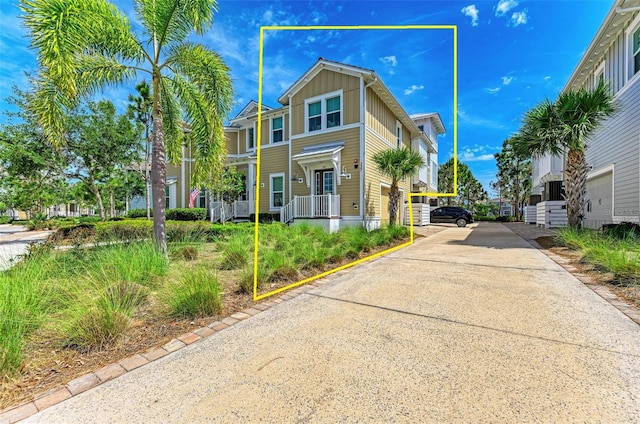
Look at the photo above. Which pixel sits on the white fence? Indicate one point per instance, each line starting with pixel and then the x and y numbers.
pixel 552 213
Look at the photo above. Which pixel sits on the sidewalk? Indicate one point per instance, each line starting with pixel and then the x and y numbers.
pixel 468 325
pixel 14 242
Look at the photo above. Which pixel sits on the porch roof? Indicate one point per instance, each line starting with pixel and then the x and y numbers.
pixel 319 150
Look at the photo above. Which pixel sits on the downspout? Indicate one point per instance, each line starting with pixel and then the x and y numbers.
pixel 363 123
pixel 290 142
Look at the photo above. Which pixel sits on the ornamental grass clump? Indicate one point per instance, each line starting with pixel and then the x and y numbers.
pixel 197 293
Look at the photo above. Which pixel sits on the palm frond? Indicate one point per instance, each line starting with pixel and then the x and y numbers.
pixel 171 21
pixel 172 122
pixel 398 164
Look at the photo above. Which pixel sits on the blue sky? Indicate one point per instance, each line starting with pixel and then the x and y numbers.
pixel 511 55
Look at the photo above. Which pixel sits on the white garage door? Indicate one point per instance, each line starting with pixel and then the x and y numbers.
pixel 598 208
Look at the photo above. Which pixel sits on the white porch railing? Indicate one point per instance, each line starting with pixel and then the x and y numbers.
pixel 238 209
pixel 319 206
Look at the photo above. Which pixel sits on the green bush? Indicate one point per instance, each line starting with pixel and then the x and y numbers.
pixel 623 230
pixel 138 213
pixel 484 218
pixel 186 214
pixel 187 232
pixel 265 218
pixel 236 251
pixel 4 220
pixel 114 231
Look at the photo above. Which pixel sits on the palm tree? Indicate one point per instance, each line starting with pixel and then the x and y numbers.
pixel 397 164
pixel 140 108
pixel 564 127
pixel 85 45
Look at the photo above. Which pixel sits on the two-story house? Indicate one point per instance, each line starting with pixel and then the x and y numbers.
pixel 316 151
pixel 613 151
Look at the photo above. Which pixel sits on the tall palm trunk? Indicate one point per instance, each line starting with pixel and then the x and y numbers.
pixel 394 197
pixel 576 186
pixel 158 170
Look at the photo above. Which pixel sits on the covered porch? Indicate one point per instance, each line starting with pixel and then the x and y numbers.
pixel 313 206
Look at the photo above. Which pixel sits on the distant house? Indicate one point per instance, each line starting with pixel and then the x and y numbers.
pixel 317 149
pixel 613 153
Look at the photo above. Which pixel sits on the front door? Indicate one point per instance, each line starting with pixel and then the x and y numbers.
pixel 324 181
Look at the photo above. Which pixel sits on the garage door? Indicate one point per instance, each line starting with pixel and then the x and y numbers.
pixel 598 208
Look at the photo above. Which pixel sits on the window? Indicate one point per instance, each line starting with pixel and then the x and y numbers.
pixel 277 131
pixel 398 135
pixel 202 199
pixel 598 75
pixel 250 139
pixel 166 196
pixel 635 51
pixel 315 116
pixel 277 191
pixel 421 128
pixel 333 112
pixel 323 112
pixel 328 182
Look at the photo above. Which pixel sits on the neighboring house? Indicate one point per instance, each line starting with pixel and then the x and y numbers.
pixel 613 153
pixel 316 152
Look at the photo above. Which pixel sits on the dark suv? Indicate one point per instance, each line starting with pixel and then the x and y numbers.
pixel 452 214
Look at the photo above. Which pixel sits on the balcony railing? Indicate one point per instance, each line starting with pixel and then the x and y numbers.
pixel 221 211
pixel 318 206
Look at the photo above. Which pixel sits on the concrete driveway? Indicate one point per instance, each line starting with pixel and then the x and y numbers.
pixel 468 325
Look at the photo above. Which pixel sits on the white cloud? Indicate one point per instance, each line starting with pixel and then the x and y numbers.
pixel 519 18
pixel 547 78
pixel 472 12
pixel 504 6
pixel 476 153
pixel 476 121
pixel 412 89
pixel 507 80
pixel 389 60
pixel 492 90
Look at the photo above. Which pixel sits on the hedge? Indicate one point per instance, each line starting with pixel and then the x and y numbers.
pixel 186 214
pixel 139 213
pixel 4 220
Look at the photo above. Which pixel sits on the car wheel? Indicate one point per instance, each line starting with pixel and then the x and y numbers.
pixel 461 222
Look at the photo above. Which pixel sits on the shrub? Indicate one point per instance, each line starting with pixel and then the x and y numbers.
pixel 187 232
pixel 139 213
pixel 4 220
pixel 76 234
pixel 246 279
pixel 123 230
pixel 265 218
pixel 502 219
pixel 198 293
pixel 96 328
pixel 622 230
pixel 186 214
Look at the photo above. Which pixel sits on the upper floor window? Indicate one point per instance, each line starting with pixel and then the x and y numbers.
pixel 398 135
pixel 421 128
pixel 277 130
pixel 636 51
pixel 323 112
pixel 251 144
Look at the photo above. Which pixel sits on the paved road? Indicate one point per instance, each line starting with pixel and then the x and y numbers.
pixel 14 241
pixel 468 325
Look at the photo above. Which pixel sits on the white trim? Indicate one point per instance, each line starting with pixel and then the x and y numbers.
pixel 183 179
pixel 628 46
pixel 271 130
pixel 255 139
pixel 323 110
pixel 381 138
pixel 289 161
pixel 269 146
pixel 398 134
pixel 363 124
pixel 284 186
pixel 597 172
pixel 325 131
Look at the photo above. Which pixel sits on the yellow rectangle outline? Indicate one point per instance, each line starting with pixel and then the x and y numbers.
pixel 259 139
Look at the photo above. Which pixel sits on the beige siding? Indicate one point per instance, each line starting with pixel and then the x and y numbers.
pixel 374 178
pixel 242 135
pixel 232 142
pixel 326 82
pixel 406 137
pixel 380 118
pixel 174 171
pixel 348 189
pixel 273 160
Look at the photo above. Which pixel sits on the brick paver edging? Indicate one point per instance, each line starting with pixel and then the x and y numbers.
pixel 83 383
pixel 601 290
